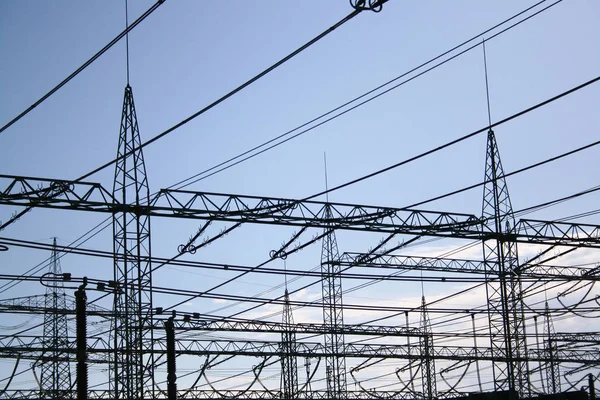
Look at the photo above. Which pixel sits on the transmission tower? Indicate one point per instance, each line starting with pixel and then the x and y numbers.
pixel 428 361
pixel 552 370
pixel 333 318
pixel 289 362
pixel 133 369
pixel 55 378
pixel 503 286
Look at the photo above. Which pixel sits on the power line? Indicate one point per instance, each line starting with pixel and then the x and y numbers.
pixel 185 121
pixel 448 144
pixel 234 91
pixel 515 172
pixel 85 64
pixel 388 168
pixel 249 154
pixel 461 139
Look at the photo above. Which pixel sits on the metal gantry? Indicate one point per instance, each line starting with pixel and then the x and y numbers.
pixel 93 197
pixel 137 351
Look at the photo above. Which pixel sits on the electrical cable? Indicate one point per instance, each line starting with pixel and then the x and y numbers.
pixel 447 144
pixel 200 175
pixel 111 255
pixel 202 111
pixel 85 64
pixel 460 139
pixel 44 264
pixel 231 93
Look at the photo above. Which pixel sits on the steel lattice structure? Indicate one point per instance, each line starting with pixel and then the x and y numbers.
pixel 505 301
pixel 428 378
pixel 55 376
pixel 88 196
pixel 552 368
pixel 330 217
pixel 436 349
pixel 133 369
pixel 333 316
pixel 137 352
pixel 289 363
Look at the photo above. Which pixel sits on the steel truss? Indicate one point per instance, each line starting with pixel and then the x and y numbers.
pixel 552 368
pixel 31 347
pixel 232 394
pixel 440 264
pixel 86 196
pixel 428 378
pixel 38 305
pixel 496 229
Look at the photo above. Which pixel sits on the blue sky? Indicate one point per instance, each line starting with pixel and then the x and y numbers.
pixel 188 53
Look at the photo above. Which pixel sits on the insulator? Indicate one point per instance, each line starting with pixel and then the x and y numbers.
pixel 81 321
pixel 171 361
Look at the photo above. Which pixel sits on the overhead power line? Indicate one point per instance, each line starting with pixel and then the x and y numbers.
pixel 85 64
pixel 460 139
pixel 166 262
pixel 236 90
pixel 202 111
pixel 183 183
pixel 342 110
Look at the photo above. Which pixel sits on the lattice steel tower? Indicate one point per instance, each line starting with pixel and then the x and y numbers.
pixel 55 378
pixel 333 317
pixel 427 356
pixel 289 362
pixel 551 348
pixel 503 285
pixel 133 363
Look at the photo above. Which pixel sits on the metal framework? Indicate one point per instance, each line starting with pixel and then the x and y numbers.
pixel 31 347
pixel 428 379
pixel 333 317
pixel 133 369
pixel 88 196
pixel 289 362
pixel 503 288
pixel 457 265
pixel 552 368
pixel 137 329
pixel 55 376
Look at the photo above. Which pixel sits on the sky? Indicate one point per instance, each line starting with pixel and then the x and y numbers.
pixel 188 54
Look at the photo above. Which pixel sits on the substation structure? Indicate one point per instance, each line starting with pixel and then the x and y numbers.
pixel 506 353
